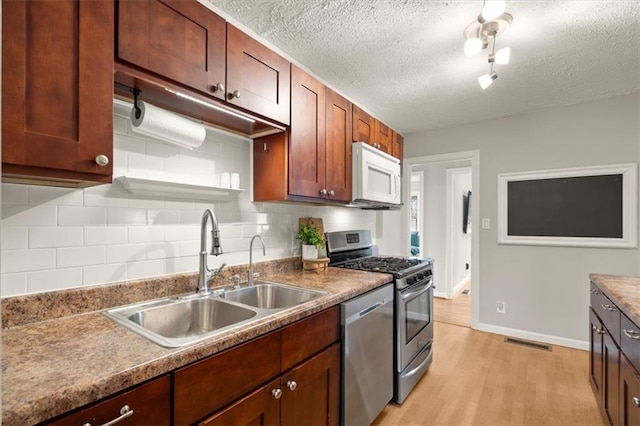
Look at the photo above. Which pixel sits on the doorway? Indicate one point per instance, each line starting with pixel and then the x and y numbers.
pixel 447 222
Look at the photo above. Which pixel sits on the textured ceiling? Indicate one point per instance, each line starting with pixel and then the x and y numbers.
pixel 403 60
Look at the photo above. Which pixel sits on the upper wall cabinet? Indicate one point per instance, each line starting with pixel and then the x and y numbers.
pixel 57 91
pixel 258 79
pixel 177 44
pixel 382 136
pixel 312 162
pixel 397 146
pixel 363 130
pixel 180 40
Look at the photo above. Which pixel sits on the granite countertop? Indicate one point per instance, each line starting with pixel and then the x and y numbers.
pixel 624 291
pixel 52 366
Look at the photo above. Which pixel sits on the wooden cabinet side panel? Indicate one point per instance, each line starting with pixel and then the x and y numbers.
pixel 610 378
pixel 57 86
pixel 398 146
pixel 270 167
pixel 304 338
pixel 150 402
pixel 307 142
pixel 179 40
pixel 260 408
pixel 595 354
pixel 362 125
pixel 338 146
pixel 261 76
pixel 316 397
pixel 206 386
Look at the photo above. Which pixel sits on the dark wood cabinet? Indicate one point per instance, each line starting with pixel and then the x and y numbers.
pixel 258 79
pixel 57 91
pixel 595 353
pixel 181 40
pixel 397 147
pixel 382 136
pixel 147 404
pixel 629 394
pixel 363 126
pixel 311 162
pixel 610 377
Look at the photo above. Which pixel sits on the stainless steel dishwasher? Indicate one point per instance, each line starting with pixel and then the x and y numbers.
pixel 367 355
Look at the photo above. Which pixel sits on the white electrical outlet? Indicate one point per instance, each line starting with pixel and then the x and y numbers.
pixel 501 307
pixel 486 223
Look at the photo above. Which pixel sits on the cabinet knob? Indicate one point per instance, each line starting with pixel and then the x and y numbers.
pixel 332 193
pixel 323 191
pixel 277 393
pixel 102 160
pixel 292 385
pixel 234 94
pixel 218 87
pixel 636 401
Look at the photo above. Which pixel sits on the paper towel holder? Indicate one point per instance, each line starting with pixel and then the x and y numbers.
pixel 135 92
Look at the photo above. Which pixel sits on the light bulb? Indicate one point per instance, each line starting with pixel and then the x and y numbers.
pixel 487 79
pixel 503 55
pixel 492 9
pixel 472 46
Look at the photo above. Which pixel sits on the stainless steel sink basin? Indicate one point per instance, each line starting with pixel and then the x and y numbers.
pixel 268 295
pixel 178 321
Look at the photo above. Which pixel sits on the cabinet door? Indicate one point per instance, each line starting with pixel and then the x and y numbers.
pixel 149 404
pixel 181 40
pixel 610 379
pixel 307 141
pixel 382 136
pixel 595 354
pixel 338 147
pixel 397 147
pixel 362 126
pixel 258 79
pixel 261 407
pixel 629 394
pixel 311 391
pixel 57 89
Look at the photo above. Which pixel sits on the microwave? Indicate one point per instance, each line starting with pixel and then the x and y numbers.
pixel 376 178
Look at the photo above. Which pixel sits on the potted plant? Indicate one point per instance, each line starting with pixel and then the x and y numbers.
pixel 312 240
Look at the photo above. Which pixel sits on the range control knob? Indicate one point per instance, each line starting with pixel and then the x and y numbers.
pixel 411 280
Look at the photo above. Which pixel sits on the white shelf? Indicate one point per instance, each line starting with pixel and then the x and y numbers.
pixel 159 188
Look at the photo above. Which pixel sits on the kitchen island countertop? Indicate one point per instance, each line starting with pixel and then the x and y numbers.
pixel 53 366
pixel 624 291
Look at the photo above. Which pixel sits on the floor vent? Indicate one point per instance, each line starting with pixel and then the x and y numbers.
pixel 529 344
pixel 465 291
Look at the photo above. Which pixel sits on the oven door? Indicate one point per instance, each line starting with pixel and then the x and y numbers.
pixel 414 306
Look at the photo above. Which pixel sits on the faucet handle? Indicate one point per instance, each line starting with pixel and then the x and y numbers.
pixel 236 281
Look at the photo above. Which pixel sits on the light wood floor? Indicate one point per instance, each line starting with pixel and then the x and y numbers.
pixel 477 379
pixel 454 311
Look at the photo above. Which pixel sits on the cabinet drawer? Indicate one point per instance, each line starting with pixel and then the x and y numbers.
pixel 607 311
pixel 630 340
pixel 309 336
pixel 207 385
pixel 150 404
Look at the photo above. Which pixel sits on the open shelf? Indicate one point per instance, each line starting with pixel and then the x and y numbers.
pixel 159 188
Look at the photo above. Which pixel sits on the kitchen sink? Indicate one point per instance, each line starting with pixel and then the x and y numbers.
pixel 186 319
pixel 268 295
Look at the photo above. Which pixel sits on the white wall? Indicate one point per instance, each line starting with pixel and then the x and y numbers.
pixel 54 238
pixel 545 288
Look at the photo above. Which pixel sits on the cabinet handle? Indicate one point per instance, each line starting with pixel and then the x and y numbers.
pixel 331 193
pixel 636 401
pixel 234 94
pixel 102 160
pixel 323 191
pixel 608 308
pixel 277 393
pixel 125 412
pixel 218 87
pixel 594 291
pixel 631 334
pixel 597 329
pixel 292 385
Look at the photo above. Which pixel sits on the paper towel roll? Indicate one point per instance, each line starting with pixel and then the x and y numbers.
pixel 167 126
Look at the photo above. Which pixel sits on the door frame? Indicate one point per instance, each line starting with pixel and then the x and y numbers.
pixel 474 156
pixel 420 193
pixel 450 286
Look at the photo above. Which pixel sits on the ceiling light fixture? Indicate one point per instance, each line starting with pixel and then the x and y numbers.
pixel 489 25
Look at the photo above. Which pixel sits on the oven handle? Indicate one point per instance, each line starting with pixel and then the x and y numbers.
pixel 421 289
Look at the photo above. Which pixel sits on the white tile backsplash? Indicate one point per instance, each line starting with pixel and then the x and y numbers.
pixel 55 238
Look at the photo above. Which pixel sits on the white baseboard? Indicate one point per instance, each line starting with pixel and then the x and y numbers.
pixel 440 294
pixel 536 337
pixel 461 284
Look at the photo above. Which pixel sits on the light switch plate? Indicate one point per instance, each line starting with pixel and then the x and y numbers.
pixel 486 223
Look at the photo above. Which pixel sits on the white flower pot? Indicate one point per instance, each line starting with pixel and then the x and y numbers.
pixel 309 252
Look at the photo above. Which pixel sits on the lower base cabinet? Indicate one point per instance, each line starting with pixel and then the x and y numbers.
pixel 307 395
pixel 629 394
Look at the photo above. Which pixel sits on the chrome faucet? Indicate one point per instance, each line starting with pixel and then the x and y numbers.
pixel 264 253
pixel 205 274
